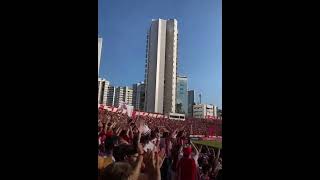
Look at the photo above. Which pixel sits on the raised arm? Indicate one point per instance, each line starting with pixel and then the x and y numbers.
pixel 119 131
pixel 216 159
pixel 139 125
pixel 128 131
pixel 136 170
pixel 200 148
pixel 195 148
pixel 131 132
pixel 217 166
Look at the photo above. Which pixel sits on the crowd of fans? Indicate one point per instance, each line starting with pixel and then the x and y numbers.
pixel 153 149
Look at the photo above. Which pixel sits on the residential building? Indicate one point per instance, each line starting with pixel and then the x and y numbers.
pixel 203 110
pixel 111 95
pixel 182 95
pixel 161 66
pixel 138 96
pixel 191 102
pixel 123 94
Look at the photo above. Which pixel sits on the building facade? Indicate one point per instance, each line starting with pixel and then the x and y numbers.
pixel 123 94
pixel 203 110
pixel 99 52
pixel 105 92
pixel 111 96
pixel 161 66
pixel 191 102
pixel 138 96
pixel 182 95
pixel 219 112
pixel 102 90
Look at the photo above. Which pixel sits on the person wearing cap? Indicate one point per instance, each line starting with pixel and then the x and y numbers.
pixel 186 167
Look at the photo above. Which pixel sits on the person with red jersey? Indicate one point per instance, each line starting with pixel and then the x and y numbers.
pixel 186 167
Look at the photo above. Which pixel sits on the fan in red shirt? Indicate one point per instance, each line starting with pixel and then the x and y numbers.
pixel 186 168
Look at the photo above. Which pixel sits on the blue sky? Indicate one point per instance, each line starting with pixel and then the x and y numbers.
pixel 123 24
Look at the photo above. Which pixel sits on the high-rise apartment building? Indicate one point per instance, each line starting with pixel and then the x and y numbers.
pixel 190 102
pixel 161 66
pixel 182 95
pixel 123 94
pixel 138 96
pixel 102 90
pixel 105 92
pixel 99 52
pixel 111 95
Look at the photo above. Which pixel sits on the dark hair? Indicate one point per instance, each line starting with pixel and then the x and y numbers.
pixel 110 142
pixel 123 133
pixel 205 170
pixel 123 150
pixel 219 176
pixel 180 133
pixel 145 139
pixel 205 167
pixel 117 171
pixel 165 134
pixel 153 135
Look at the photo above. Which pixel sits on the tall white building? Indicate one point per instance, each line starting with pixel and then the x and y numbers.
pixel 215 111
pixel 204 110
pixel 123 94
pixel 99 52
pixel 161 66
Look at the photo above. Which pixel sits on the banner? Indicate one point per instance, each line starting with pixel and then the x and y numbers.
pixel 129 110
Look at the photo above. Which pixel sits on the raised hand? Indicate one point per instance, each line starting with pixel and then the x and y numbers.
pixel 118 131
pixel 140 149
pixel 153 165
pixel 195 148
pixel 216 159
pixel 162 155
pixel 140 125
pixel 217 169
pixel 136 171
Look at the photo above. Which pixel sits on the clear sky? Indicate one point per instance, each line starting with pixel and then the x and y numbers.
pixel 124 24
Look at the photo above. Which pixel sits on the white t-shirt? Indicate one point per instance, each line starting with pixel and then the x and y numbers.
pixel 150 146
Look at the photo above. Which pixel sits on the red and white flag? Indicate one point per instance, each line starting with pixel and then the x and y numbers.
pixel 101 107
pixel 113 109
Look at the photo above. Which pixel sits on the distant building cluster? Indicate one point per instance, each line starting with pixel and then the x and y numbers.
pixel 163 90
